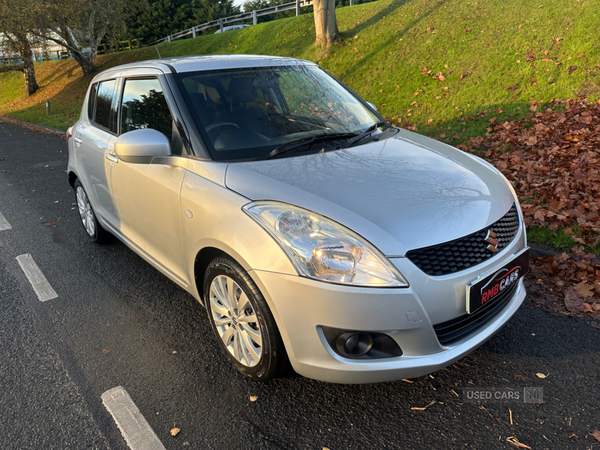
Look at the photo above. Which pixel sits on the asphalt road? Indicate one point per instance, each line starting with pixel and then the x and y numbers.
pixel 118 322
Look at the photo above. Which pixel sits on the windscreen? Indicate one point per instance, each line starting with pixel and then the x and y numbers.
pixel 246 114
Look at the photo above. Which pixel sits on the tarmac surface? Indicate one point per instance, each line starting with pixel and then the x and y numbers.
pixel 119 322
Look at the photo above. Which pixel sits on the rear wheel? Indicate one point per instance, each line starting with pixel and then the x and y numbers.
pixel 88 218
pixel 242 321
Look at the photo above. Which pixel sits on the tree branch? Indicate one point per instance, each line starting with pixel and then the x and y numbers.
pixel 61 42
pixel 73 39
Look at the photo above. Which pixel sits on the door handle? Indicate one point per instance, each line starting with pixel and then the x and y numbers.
pixel 112 158
pixel 77 140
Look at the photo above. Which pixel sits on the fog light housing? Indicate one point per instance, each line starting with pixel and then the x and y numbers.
pixel 354 344
pixel 361 344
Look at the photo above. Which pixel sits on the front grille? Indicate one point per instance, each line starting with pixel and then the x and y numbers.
pixel 456 329
pixel 465 252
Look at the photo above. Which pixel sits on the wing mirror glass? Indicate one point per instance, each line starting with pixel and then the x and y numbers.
pixel 372 106
pixel 140 146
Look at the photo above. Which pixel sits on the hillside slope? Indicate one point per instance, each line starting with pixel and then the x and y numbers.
pixel 442 66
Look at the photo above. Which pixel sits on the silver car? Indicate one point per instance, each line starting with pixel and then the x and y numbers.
pixel 314 232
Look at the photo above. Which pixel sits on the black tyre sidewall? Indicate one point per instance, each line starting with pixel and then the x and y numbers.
pixel 273 356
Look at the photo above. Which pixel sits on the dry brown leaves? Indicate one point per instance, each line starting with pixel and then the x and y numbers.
pixel 567 284
pixel 552 157
pixel 552 160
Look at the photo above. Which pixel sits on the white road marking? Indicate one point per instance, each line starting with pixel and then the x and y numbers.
pixel 4 225
pixel 37 279
pixel 133 426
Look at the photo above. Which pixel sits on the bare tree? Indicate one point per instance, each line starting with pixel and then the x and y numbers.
pixel 15 21
pixel 80 26
pixel 325 22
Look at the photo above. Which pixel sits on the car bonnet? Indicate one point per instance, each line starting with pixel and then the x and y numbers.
pixel 400 193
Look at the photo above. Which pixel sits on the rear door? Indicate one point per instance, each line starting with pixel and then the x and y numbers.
pixel 92 136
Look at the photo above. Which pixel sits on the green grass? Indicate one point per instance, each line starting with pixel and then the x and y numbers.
pixel 384 47
pixel 556 240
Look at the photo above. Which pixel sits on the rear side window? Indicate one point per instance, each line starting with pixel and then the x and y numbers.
pixel 101 98
pixel 92 101
pixel 144 106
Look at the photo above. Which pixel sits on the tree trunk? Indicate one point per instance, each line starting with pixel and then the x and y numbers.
pixel 325 23
pixel 87 64
pixel 70 43
pixel 28 69
pixel 20 43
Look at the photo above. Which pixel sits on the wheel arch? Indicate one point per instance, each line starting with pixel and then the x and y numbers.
pixel 201 262
pixel 72 178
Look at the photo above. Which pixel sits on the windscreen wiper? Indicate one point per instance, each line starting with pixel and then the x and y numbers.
pixel 294 145
pixel 365 134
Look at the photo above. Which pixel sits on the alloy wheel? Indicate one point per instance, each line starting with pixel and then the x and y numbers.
pixel 236 321
pixel 85 212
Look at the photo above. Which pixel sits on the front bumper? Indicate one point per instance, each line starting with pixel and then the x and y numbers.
pixel 302 307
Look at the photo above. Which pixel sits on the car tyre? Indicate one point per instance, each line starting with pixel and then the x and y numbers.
pixel 88 218
pixel 242 321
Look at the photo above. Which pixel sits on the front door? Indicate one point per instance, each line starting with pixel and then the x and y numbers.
pixel 147 196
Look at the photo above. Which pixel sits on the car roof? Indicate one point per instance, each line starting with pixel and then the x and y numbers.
pixel 205 62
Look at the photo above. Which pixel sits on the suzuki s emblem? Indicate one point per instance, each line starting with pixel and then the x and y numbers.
pixel 491 239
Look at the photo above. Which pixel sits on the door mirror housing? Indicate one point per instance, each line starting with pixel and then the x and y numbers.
pixel 141 146
pixel 372 106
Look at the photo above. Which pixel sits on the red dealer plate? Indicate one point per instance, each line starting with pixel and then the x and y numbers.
pixel 489 287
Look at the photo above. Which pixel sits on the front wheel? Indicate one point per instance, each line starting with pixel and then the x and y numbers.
pixel 242 321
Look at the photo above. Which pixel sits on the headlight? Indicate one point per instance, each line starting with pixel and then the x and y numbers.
pixel 323 249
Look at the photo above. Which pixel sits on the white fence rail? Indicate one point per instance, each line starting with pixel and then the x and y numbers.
pixel 254 15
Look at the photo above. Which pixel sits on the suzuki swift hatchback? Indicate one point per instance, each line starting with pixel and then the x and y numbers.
pixel 312 230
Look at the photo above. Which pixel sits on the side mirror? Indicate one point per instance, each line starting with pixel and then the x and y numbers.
pixel 140 146
pixel 372 106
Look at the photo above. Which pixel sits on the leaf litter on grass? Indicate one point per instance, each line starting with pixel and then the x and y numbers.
pixel 551 157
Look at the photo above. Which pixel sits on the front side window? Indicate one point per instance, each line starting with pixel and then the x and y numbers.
pixel 255 113
pixel 144 106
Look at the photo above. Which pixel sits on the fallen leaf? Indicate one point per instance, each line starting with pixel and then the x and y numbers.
pixel 515 442
pixel 105 351
pixel 253 398
pixel 175 431
pixel 573 300
pixel 596 434
pixel 416 408
pixel 585 289
pixel 49 224
pixel 587 308
pixel 541 375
